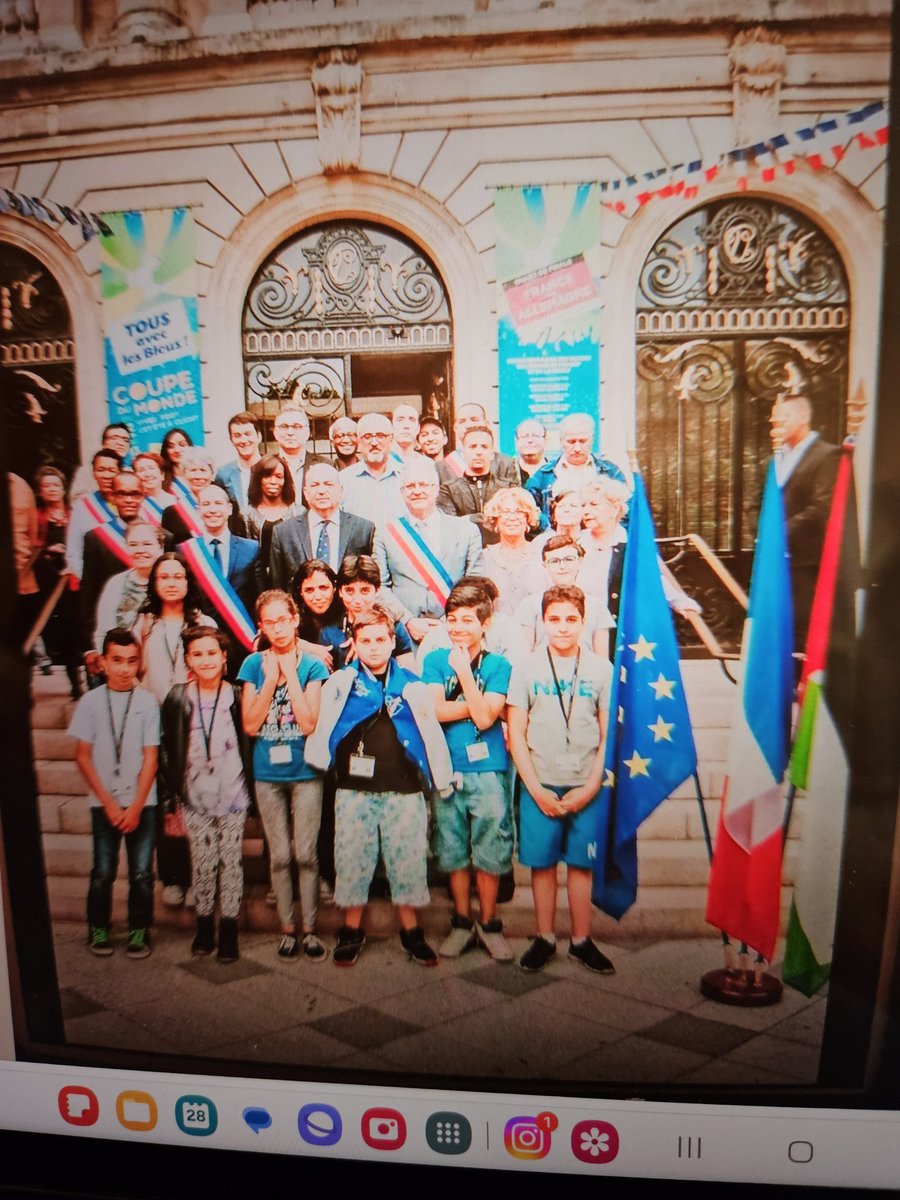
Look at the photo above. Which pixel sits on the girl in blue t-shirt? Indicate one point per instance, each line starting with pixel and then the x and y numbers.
pixel 280 707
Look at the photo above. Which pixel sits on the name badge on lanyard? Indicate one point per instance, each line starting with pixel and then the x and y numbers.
pixel 477 752
pixel 362 766
pixel 279 753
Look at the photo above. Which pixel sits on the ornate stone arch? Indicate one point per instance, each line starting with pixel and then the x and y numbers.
pixel 363 197
pixel 84 309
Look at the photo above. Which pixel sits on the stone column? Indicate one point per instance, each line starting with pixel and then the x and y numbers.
pixel 337 84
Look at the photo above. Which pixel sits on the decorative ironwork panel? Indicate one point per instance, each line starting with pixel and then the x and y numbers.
pixel 749 253
pixel 737 303
pixel 351 275
pixel 37 379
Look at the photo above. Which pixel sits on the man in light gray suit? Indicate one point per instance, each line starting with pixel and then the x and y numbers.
pixel 321 530
pixel 425 552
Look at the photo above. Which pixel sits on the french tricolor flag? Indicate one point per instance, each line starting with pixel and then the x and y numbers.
pixel 745 877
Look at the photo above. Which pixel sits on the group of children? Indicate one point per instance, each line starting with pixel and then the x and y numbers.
pixel 401 747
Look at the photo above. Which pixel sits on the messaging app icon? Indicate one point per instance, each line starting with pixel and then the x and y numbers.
pixel 320 1124
pixel 136 1111
pixel 78 1106
pixel 196 1115
pixel 258 1119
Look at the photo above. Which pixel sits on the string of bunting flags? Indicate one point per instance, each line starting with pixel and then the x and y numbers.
pixel 49 212
pixel 820 145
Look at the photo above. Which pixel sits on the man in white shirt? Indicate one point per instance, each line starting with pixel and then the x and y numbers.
pixel 372 485
pixel 234 477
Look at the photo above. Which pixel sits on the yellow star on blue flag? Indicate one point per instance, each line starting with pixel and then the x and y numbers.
pixel 653 727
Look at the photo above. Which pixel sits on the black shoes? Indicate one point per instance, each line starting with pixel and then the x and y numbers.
pixel 537 955
pixel 205 939
pixel 349 946
pixel 413 942
pixel 589 956
pixel 228 940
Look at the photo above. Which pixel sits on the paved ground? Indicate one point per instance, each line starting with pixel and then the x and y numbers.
pixel 646 1023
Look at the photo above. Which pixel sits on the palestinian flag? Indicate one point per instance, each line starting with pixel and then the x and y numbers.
pixel 820 755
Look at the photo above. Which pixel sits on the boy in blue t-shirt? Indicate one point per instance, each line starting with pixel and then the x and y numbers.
pixel 280 707
pixel 474 826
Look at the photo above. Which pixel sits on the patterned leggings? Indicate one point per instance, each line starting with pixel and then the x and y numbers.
pixel 216 854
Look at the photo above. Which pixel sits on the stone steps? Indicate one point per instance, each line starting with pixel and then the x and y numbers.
pixel 672 852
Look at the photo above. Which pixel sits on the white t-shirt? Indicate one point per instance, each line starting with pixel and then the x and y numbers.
pixel 132 727
pixel 562 756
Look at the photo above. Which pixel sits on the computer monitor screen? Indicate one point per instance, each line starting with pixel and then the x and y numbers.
pixel 448 681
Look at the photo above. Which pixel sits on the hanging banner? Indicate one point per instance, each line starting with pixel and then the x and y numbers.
pixel 548 304
pixel 150 319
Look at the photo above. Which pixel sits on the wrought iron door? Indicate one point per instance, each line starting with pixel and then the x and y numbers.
pixel 37 367
pixel 333 294
pixel 738 302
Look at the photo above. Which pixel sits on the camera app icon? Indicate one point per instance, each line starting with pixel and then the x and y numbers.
pixel 383 1128
pixel 527 1137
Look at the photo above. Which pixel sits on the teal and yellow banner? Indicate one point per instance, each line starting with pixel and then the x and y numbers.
pixel 150 320
pixel 548 304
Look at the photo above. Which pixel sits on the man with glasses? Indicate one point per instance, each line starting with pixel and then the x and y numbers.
pixel 344 438
pixel 372 486
pixel 531 446
pixel 291 432
pixel 424 553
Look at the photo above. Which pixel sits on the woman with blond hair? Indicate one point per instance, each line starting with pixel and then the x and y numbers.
pixel 513 563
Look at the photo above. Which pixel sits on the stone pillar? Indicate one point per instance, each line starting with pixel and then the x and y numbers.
pixel 757 62
pixel 337 84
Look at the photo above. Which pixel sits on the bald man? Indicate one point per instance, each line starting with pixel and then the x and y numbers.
pixel 575 467
pixel 322 529
pixel 372 485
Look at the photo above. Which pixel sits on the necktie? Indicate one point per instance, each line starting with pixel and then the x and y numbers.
pixel 323 547
pixel 217 553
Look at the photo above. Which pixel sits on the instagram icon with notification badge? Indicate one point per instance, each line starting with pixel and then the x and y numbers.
pixel 529 1137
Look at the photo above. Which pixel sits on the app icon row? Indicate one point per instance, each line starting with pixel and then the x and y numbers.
pixel 525 1137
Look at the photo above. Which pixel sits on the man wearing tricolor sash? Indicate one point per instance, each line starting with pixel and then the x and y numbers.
pixel 91 510
pixel 424 553
pixel 228 571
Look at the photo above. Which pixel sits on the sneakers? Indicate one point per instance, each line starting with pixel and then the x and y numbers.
pixel 589 956
pixel 205 939
pixel 461 938
pixel 313 948
pixel 490 934
pixel 413 942
pixel 288 947
pixel 537 955
pixel 138 945
pixel 228 940
pixel 173 895
pixel 349 946
pixel 98 941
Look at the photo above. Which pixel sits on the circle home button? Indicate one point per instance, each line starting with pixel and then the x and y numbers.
pixel 800 1152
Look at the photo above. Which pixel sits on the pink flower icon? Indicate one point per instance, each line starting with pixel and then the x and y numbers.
pixel 595 1142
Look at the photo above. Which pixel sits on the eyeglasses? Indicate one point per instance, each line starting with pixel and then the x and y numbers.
pixel 564 560
pixel 296 427
pixel 370 437
pixel 276 622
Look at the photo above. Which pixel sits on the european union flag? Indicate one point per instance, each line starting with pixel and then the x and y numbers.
pixel 649 742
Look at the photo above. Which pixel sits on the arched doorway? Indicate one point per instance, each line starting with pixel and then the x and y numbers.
pixel 348 317
pixel 37 366
pixel 737 302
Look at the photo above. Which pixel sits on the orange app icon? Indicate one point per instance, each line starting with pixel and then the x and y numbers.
pixel 136 1111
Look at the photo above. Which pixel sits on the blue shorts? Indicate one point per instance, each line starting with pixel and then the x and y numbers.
pixel 578 839
pixel 474 825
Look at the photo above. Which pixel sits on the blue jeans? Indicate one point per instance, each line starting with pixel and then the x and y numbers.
pixel 139 849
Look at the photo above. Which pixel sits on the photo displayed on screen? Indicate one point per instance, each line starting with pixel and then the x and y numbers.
pixel 439 516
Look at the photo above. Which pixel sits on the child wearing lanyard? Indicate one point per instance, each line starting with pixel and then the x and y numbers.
pixel 202 767
pixel 280 706
pixel 116 727
pixel 474 825
pixel 558 701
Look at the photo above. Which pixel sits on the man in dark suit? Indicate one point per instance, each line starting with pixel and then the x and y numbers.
pixel 806 469
pixel 245 435
pixel 467 496
pixel 321 530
